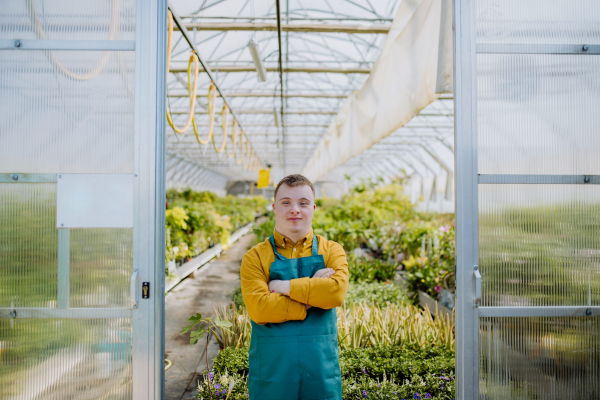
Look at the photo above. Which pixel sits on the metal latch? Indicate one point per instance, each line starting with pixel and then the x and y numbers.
pixel 477 276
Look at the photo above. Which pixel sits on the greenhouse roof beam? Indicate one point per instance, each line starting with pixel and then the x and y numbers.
pixel 270 95
pixel 251 68
pixel 299 28
pixel 291 18
pixel 265 111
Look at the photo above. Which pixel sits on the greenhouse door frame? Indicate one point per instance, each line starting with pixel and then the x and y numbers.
pixel 468 278
pixel 147 308
pixel 149 198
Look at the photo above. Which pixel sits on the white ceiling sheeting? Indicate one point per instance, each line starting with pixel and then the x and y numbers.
pixel 332 118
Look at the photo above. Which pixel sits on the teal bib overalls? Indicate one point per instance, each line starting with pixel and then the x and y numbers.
pixel 296 360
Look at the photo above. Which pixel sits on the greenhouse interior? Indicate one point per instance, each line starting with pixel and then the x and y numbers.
pixel 444 147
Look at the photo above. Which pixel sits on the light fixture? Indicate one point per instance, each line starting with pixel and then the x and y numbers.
pixel 260 68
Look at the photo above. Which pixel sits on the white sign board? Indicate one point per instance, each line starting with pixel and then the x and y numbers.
pixel 94 201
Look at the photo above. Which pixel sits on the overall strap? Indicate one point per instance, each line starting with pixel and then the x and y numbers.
pixel 278 256
pixel 315 246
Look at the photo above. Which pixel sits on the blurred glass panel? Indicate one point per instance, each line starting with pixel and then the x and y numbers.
pixel 538 21
pixel 68 19
pixel 539 358
pixel 539 245
pixel 65 359
pixel 101 266
pixel 66 111
pixel 538 114
pixel 28 245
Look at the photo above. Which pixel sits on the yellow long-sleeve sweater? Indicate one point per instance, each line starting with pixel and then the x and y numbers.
pixel 266 307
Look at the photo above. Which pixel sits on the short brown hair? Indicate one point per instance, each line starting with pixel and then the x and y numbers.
pixel 294 180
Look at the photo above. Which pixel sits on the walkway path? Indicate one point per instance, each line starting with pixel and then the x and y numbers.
pixel 213 284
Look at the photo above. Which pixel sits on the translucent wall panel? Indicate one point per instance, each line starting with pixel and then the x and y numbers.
pixel 28 245
pixel 539 245
pixel 66 111
pixel 68 20
pixel 538 114
pixel 539 358
pixel 538 21
pixel 101 265
pixel 65 359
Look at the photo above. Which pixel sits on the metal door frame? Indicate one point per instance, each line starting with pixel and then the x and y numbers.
pixel 149 197
pixel 468 279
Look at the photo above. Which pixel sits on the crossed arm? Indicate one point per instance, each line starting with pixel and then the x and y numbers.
pixel 280 301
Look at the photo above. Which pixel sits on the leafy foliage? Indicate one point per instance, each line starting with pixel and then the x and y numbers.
pixel 196 221
pixel 434 270
pixel 375 292
pixel 365 270
pixel 382 372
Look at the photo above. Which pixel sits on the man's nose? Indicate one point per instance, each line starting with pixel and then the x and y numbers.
pixel 295 208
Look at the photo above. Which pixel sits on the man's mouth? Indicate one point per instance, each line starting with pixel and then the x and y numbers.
pixel 294 219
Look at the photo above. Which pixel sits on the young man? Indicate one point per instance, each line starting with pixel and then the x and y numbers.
pixel 291 284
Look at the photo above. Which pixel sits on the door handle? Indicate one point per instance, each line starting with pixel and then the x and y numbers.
pixel 477 276
pixel 133 290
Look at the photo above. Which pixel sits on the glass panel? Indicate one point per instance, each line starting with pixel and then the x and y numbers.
pixel 55 119
pixel 538 114
pixel 65 359
pixel 539 245
pixel 28 245
pixel 539 358
pixel 101 266
pixel 68 19
pixel 538 21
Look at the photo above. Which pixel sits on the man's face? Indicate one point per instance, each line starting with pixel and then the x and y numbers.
pixel 294 208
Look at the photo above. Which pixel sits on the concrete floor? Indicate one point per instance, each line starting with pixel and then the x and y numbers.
pixel 212 284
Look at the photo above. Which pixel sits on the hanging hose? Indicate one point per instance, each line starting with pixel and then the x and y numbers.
pixel 40 34
pixel 211 114
pixel 234 127
pixel 193 59
pixel 192 91
pixel 239 162
pixel 224 119
pixel 247 164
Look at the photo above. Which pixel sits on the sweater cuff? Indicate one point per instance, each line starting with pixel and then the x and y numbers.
pixel 296 311
pixel 299 290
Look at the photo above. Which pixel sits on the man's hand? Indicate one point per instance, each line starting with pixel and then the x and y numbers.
pixel 324 273
pixel 281 287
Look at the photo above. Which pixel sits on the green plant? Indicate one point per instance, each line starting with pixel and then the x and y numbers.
pixel 237 331
pixel 264 230
pixel 363 325
pixel 365 270
pixel 233 360
pixel 375 292
pixel 383 372
pixel 434 270
pixel 236 297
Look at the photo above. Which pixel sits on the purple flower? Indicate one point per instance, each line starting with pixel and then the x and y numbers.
pixel 217 385
pixel 437 289
pixel 378 385
pixel 365 393
pixel 364 370
pixel 210 376
pixel 217 392
pixel 427 396
pixel 416 396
